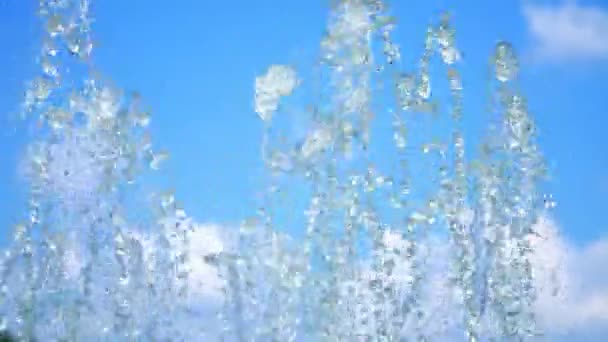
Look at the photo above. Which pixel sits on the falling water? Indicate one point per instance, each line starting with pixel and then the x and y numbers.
pixel 367 266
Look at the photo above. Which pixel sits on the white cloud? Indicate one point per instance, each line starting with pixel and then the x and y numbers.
pixel 568 32
pixel 204 239
pixel 579 302
pixel 572 301
pixel 572 290
pixel 194 316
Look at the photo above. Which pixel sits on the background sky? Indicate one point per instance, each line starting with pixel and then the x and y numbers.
pixel 194 63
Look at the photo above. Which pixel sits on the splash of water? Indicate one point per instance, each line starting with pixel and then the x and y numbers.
pixel 367 267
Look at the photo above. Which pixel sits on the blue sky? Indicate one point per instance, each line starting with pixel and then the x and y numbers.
pixel 195 62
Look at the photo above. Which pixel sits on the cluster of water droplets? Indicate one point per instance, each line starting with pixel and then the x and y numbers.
pixel 356 283
pixel 78 269
pixel 365 267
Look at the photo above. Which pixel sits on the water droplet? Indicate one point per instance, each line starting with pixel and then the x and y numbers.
pixel 450 55
pixel 79 46
pixel 445 35
pixel 466 217
pixel 316 142
pixel 58 118
pixel 168 202
pixel 429 39
pixel 49 48
pixel 406 84
pixel 400 140
pixel 391 50
pixel 549 202
pixel 157 159
pixel 280 162
pixel 124 280
pixel 424 87
pixel 55 25
pixel 417 217
pixel 405 187
pixel 49 69
pixel 41 89
pixel 454 78
pixel 279 80
pixel 505 62
pixel 142 119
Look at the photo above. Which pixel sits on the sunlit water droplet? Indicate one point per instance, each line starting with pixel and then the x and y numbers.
pixel 279 80
pixel 55 25
pixel 505 62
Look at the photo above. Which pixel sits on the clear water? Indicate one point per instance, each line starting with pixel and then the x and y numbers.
pixel 436 248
